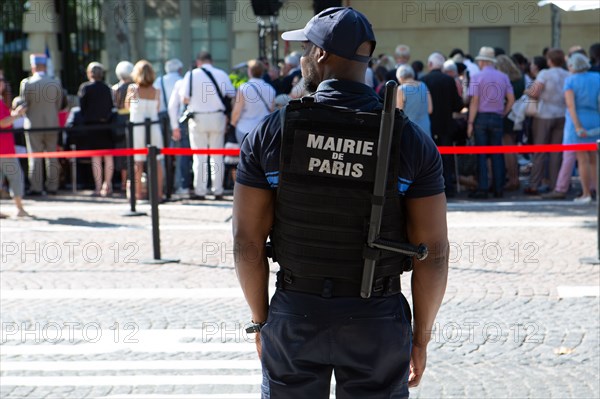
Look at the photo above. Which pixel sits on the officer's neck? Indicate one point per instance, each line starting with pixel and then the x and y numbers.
pixel 349 74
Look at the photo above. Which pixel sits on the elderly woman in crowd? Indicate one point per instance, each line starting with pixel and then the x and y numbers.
pixel 582 94
pixel 255 100
pixel 123 72
pixel 505 64
pixel 549 123
pixel 95 100
pixel 414 98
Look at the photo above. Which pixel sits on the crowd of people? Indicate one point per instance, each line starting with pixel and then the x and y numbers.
pixel 497 99
pixel 489 99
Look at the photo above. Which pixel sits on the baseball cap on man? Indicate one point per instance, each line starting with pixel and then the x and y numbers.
pixel 338 30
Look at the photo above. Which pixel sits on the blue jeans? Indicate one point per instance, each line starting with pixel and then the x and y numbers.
pixel 488 128
pixel 366 343
pixel 183 163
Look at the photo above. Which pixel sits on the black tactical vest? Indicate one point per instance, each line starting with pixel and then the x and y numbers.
pixel 326 177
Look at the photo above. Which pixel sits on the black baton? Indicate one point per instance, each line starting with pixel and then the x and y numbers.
pixel 386 130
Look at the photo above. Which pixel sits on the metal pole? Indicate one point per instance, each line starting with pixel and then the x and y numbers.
pixel 131 173
pixel 153 191
pixel 73 170
pixel 131 167
pixel 147 127
pixel 456 174
pixel 275 39
pixel 169 162
pixel 555 20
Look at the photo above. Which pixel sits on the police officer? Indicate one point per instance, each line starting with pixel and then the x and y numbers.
pixel 301 186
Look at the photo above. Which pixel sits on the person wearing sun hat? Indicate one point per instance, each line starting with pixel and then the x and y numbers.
pixel 492 98
pixel 316 322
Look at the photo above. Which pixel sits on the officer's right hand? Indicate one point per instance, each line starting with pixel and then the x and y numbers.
pixel 418 360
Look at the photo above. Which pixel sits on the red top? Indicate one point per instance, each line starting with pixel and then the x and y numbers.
pixel 7 140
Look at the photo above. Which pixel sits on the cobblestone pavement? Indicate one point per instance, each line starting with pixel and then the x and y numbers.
pixel 83 317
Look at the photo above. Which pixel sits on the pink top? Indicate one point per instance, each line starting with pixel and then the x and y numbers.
pixel 7 140
pixel 491 86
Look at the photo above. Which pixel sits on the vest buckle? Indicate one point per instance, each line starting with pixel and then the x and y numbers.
pixel 378 285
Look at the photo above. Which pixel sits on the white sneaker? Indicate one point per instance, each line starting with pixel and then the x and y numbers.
pixel 583 200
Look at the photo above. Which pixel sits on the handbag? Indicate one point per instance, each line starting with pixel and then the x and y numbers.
pixel 531 109
pixel 162 115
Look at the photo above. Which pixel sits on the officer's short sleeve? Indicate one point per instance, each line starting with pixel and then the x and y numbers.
pixel 259 155
pixel 420 166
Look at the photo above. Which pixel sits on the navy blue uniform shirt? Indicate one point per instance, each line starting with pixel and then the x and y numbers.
pixel 420 164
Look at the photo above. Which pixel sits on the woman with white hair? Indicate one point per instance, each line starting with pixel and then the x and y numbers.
pixel 414 98
pixel 123 72
pixel 582 95
pixel 96 102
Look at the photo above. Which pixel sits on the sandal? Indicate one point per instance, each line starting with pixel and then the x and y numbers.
pixel 22 213
pixel 106 190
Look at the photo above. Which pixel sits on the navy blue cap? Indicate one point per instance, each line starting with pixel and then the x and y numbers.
pixel 338 30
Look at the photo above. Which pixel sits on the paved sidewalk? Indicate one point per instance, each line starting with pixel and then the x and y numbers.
pixel 83 317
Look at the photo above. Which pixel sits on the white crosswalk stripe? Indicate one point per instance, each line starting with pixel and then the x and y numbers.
pixel 223 367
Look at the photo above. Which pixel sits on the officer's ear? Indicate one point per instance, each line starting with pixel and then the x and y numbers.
pixel 322 55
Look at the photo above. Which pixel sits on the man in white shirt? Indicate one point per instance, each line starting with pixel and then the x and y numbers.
pixel 207 127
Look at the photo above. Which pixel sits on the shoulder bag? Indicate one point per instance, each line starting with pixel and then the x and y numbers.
pixel 226 103
pixel 261 97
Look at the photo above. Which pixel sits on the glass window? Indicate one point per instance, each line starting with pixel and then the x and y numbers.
pixel 218 29
pixel 220 51
pixel 199 28
pixel 200 45
pixel 208 25
pixel 152 28
pixel 172 29
pixel 211 30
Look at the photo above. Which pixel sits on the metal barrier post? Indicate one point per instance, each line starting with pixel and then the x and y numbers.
pixel 596 260
pixel 73 170
pixel 147 129
pixel 131 174
pixel 169 162
pixel 154 200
